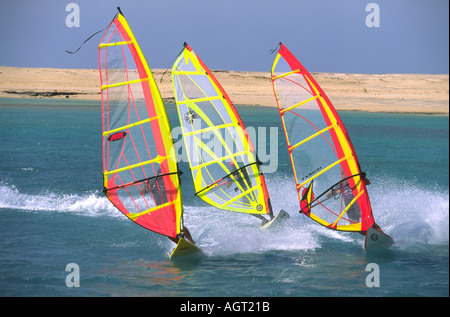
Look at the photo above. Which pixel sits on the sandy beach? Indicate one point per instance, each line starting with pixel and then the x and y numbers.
pixel 402 93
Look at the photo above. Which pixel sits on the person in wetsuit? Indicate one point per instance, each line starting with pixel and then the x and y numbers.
pixel 245 184
pixel 157 188
pixel 354 212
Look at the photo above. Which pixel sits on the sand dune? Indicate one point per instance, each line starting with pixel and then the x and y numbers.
pixel 405 93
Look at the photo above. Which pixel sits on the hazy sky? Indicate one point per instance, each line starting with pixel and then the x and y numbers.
pixel 325 35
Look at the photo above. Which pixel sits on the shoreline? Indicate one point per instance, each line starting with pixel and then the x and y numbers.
pixel 92 102
pixel 389 93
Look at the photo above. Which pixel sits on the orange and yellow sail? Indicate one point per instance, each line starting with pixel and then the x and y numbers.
pixel 139 167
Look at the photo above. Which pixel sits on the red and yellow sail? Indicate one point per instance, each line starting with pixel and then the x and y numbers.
pixel 139 169
pixel 330 184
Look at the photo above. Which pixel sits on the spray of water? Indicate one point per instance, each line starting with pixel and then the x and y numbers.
pixel 91 204
pixel 407 212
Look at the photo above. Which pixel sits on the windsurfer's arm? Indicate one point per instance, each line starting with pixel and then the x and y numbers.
pixel 145 189
pixel 174 240
pixel 377 227
pixel 364 177
pixel 335 191
pixel 264 220
pixel 186 234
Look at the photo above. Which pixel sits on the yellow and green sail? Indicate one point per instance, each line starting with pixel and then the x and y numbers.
pixel 223 162
pixel 139 169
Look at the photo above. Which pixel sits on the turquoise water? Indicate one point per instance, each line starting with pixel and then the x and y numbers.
pixel 53 213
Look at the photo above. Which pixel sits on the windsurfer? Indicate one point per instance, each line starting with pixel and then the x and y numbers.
pixel 237 175
pixel 190 117
pixel 186 234
pixel 156 186
pixel 354 212
pixel 244 184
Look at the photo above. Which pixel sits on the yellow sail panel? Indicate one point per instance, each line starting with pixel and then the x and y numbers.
pixel 140 172
pixel 223 162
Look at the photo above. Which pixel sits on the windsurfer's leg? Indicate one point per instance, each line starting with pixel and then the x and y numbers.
pixel 377 227
pixel 187 234
pixel 264 220
pixel 354 213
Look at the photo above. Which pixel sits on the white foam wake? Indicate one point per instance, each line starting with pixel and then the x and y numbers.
pixel 89 204
pixel 407 212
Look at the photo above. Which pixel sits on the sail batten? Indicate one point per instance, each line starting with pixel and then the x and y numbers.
pixel 129 82
pixel 130 125
pixel 199 99
pixel 102 45
pixel 318 133
pixel 286 74
pixel 217 159
pixel 330 185
pixel 176 72
pixel 158 159
pixel 299 104
pixel 213 128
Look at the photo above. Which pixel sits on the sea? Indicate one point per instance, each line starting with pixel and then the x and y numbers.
pixel 61 237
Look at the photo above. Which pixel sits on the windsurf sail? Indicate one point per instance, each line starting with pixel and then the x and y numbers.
pixel 225 169
pixel 140 172
pixel 330 184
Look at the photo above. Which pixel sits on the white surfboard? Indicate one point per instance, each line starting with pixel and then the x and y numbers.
pixel 279 218
pixel 376 239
